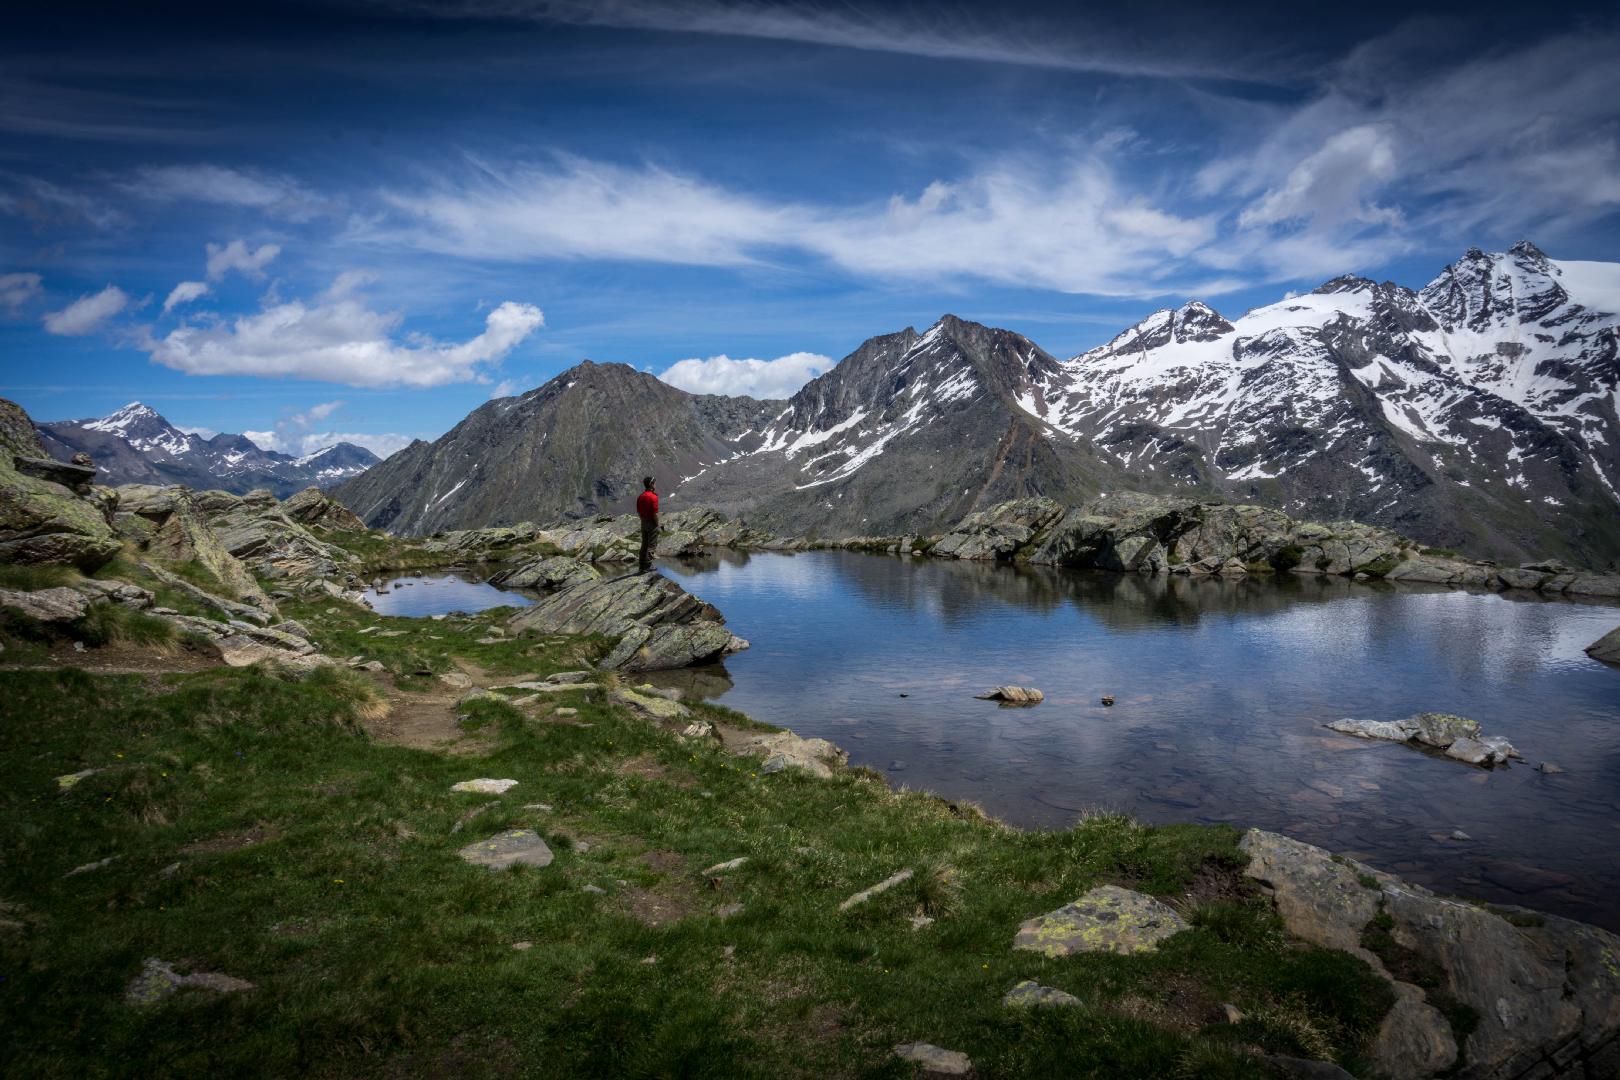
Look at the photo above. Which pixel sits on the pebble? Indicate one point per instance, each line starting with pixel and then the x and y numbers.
pixel 522 946
pixel 88 867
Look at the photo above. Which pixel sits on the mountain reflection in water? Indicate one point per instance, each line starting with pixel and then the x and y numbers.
pixel 1222 688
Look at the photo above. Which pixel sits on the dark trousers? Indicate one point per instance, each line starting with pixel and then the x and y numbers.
pixel 649 542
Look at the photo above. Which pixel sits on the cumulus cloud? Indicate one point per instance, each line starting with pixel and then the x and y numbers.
pixel 236 255
pixel 339 340
pixel 184 293
pixel 87 314
pixel 777 378
pixel 18 289
pixel 281 196
pixel 1073 227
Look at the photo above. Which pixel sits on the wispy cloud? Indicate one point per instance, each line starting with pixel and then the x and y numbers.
pixel 19 289
pixel 87 314
pixel 184 293
pixel 256 189
pixel 777 378
pixel 1072 226
pixel 338 340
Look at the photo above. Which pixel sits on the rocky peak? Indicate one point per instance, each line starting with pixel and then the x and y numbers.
pixel 1197 321
pixel 1482 291
pixel 1345 283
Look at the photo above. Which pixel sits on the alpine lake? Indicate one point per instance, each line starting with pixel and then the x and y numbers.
pixel 1220 691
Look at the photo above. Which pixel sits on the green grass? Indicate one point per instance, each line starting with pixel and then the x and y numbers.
pixel 377 952
pixel 30 578
pixel 107 623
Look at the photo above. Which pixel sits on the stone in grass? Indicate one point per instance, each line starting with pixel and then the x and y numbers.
pixel 883 886
pixel 514 847
pixel 1013 695
pixel 729 864
pixel 67 783
pixel 485 786
pixel 1106 919
pixel 159 980
pixel 1030 992
pixel 935 1059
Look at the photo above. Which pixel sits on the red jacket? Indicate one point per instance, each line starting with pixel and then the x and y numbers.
pixel 647 505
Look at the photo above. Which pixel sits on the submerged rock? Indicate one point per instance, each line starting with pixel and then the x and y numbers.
pixel 1106 919
pixel 1458 736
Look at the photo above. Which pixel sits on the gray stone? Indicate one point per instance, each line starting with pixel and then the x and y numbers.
pixel 935 1060
pixel 514 847
pixel 159 981
pixel 58 605
pixel 1392 730
pixel 1106 919
pixel 817 757
pixel 485 786
pixel 1013 695
pixel 653 708
pixel 722 867
pixel 1030 992
pixel 1442 729
pixel 657 623
pixel 1606 648
pixel 1551 768
pixel 883 886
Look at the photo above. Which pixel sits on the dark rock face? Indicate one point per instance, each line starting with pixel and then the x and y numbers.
pixel 135 445
pixel 41 520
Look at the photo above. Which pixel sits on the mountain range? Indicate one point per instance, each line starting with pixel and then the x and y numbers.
pixel 136 445
pixel 1478 413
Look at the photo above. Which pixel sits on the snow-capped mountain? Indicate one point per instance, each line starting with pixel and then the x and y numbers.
pixel 136 445
pixel 1478 412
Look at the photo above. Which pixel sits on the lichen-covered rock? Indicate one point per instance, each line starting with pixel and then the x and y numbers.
pixel 1029 992
pixel 180 535
pixel 999 532
pixel 514 847
pixel 818 757
pixel 657 623
pixel 651 706
pixel 1106 919
pixel 935 1060
pixel 314 507
pixel 256 530
pixel 43 522
pixel 1458 736
pixel 59 605
pixel 548 572
pixel 1546 990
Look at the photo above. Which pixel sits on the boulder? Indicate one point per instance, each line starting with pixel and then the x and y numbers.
pixel 1106 919
pixel 657 623
pixel 1606 648
pixel 818 757
pixel 1546 990
pixel 178 534
pixel 56 606
pixel 504 850
pixel 76 478
pixel 41 521
pixel 550 572
pixel 1000 532
pixel 314 507
pixel 935 1060
pixel 1458 736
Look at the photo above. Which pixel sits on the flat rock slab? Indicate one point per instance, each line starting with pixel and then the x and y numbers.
pixel 514 847
pixel 485 786
pixel 159 980
pixel 1606 648
pixel 1030 992
pixel 1106 919
pixel 935 1059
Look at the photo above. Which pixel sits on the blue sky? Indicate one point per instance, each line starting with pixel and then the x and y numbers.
pixel 363 220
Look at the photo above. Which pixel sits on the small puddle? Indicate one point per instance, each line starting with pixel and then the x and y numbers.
pixel 422 595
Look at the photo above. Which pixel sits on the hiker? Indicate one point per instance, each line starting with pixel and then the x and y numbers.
pixel 647 510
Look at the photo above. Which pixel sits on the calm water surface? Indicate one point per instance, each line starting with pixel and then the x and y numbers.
pixel 1222 688
pixel 436 594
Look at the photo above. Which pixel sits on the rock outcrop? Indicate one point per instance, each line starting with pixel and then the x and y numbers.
pixel 1534 995
pixel 656 623
pixel 258 530
pixel 1606 648
pixel 314 507
pixel 43 521
pixel 168 526
pixel 547 572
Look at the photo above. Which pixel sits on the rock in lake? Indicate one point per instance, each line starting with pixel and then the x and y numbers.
pixel 514 847
pixel 1458 736
pixel 1606 648
pixel 1106 919
pixel 1013 695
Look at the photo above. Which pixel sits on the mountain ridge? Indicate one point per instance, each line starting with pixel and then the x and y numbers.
pixel 136 445
pixel 1478 413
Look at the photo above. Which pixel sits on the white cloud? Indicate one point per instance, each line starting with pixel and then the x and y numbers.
pixel 508 388
pixel 1072 227
pixel 339 340
pixel 1330 187
pixel 237 256
pixel 184 293
pixel 18 289
pixel 280 196
pixel 777 378
pixel 316 413
pixel 87 314
pixel 200 432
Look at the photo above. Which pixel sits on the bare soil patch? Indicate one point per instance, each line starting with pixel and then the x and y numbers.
pixel 232 841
